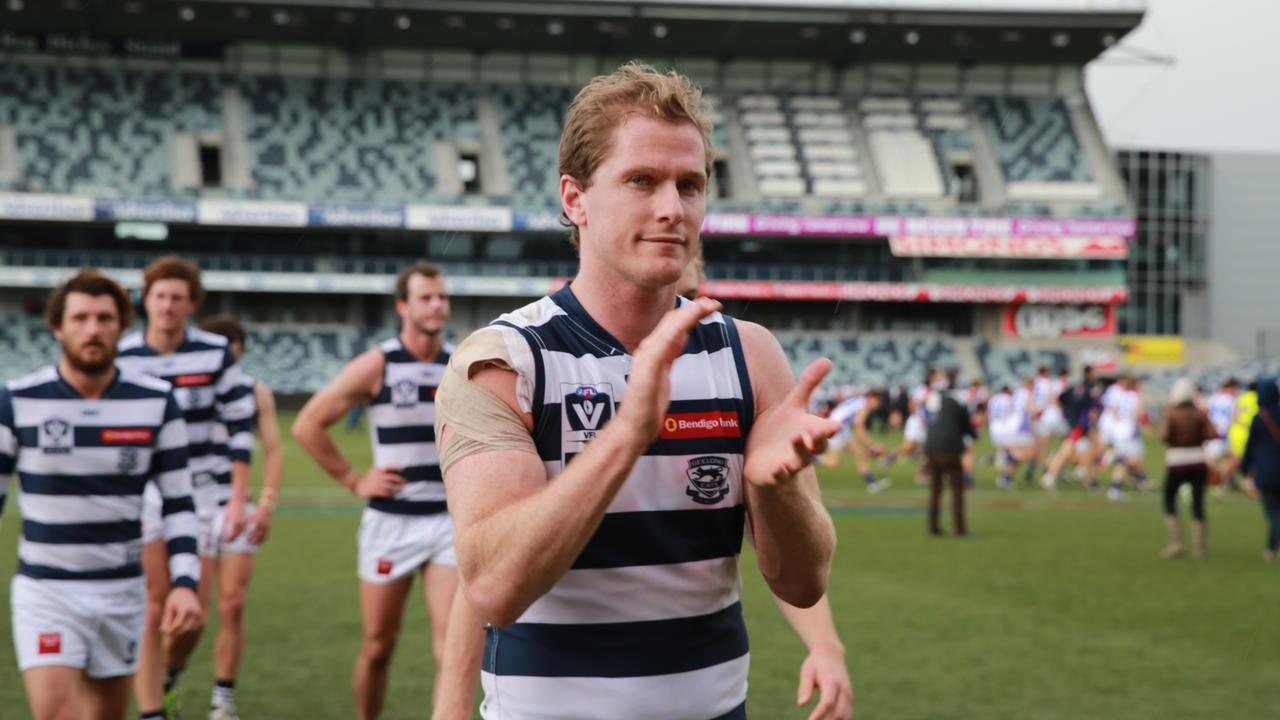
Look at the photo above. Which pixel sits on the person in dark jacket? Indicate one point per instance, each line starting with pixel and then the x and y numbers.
pixel 947 427
pixel 1261 461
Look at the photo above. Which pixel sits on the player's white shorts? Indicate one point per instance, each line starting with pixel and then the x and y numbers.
pixel 211 543
pixel 915 430
pixel 204 497
pixel 1052 423
pixel 63 623
pixel 393 546
pixel 1216 449
pixel 1128 448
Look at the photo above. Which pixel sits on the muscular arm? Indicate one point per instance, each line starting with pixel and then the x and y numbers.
pixel 793 533
pixel 355 384
pixel 459 674
pixel 269 434
pixel 516 534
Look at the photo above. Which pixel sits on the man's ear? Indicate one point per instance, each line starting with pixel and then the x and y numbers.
pixel 571 200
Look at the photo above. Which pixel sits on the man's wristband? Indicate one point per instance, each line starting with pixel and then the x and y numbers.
pixel 267 499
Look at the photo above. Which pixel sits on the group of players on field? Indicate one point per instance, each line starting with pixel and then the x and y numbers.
pixel 1100 426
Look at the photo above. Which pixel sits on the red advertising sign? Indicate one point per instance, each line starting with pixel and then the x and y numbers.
pixel 1052 322
pixel 1043 247
pixel 912 292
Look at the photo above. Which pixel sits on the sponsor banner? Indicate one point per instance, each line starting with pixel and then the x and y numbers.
pixel 1052 322
pixel 1152 349
pixel 458 217
pixel 374 217
pixel 40 206
pixel 879 226
pixel 198 379
pixel 902 292
pixel 161 211
pixel 911 292
pixel 1104 359
pixel 537 221
pixel 1111 248
pixel 251 213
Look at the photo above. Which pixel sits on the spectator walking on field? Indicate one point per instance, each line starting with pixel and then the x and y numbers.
pixel 1185 428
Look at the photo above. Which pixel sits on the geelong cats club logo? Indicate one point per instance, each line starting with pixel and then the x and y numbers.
pixel 708 479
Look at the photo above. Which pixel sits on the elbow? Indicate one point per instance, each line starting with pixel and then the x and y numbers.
pixel 301 430
pixel 496 603
pixel 803 595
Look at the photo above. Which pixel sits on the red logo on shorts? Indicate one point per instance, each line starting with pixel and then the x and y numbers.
pixel 50 643
pixel 384 567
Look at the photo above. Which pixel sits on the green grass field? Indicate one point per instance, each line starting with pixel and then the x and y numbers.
pixel 1059 608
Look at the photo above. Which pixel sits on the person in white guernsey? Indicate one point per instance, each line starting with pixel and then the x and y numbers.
pixel 406 526
pixel 85 438
pixel 218 405
pixel 606 448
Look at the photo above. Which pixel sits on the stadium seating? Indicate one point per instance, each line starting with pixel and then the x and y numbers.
pixel 531 120
pixel 870 359
pixel 102 130
pixel 1037 148
pixel 1010 366
pixel 351 141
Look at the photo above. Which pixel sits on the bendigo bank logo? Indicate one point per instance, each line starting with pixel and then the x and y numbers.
pixel 688 426
pixel 708 479
pixel 588 407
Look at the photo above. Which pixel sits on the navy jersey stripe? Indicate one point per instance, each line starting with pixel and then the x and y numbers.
pixel 200 414
pixel 172 505
pixel 406 434
pixel 39 484
pixel 617 650
pixel 81 533
pixel 748 415
pixel 409 507
pixel 425 393
pixel 59 390
pixel 180 545
pixel 163 461
pixel 669 537
pixel 738 713
pixel 422 473
pixel 47 572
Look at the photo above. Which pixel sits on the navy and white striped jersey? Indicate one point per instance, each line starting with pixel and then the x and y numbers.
pixel 647 623
pixel 82 464
pixel 217 402
pixel 402 427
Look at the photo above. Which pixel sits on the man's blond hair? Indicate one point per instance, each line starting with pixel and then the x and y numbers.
pixel 608 101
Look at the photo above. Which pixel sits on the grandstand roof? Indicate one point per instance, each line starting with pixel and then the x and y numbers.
pixel 840 31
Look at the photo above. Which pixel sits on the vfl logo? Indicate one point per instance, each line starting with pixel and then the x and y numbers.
pixel 128 460
pixel 708 479
pixel 55 436
pixel 404 393
pixel 588 407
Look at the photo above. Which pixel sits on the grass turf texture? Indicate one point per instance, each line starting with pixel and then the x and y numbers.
pixel 1059 608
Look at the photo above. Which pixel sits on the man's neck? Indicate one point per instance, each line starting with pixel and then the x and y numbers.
pixel 87 384
pixel 627 311
pixel 422 346
pixel 165 341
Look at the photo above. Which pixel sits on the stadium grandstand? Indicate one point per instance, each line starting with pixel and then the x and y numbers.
pixel 895 189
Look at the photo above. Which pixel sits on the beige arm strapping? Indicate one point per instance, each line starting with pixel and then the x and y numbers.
pixel 478 420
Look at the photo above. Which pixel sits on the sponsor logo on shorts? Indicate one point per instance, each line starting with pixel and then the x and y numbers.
pixel 50 643
pixel 708 479
pixel 127 436
pixel 686 426
pixel 193 380
pixel 384 567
